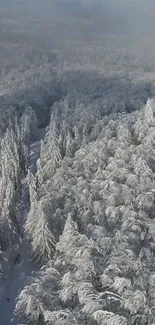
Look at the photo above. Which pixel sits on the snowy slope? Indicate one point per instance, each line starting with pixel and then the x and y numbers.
pixel 19 272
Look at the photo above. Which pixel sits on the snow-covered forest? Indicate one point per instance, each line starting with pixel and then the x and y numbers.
pixel 77 162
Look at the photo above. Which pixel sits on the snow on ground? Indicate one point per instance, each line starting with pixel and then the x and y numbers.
pixel 35 152
pixel 19 272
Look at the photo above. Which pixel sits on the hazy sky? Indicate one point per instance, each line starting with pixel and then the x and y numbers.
pixel 128 15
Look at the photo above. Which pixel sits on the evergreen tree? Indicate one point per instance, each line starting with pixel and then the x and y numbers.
pixel 38 230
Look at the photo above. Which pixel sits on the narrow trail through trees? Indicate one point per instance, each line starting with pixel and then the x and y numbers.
pixel 21 269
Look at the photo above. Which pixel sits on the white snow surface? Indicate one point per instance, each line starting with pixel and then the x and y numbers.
pixel 19 272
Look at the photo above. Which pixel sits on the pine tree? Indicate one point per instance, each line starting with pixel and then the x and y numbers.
pixel 38 230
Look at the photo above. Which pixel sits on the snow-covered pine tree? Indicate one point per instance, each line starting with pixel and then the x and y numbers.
pixel 40 233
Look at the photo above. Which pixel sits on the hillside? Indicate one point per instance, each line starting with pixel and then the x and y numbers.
pixel 77 162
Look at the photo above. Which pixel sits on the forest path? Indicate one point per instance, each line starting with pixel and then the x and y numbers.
pixel 19 272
